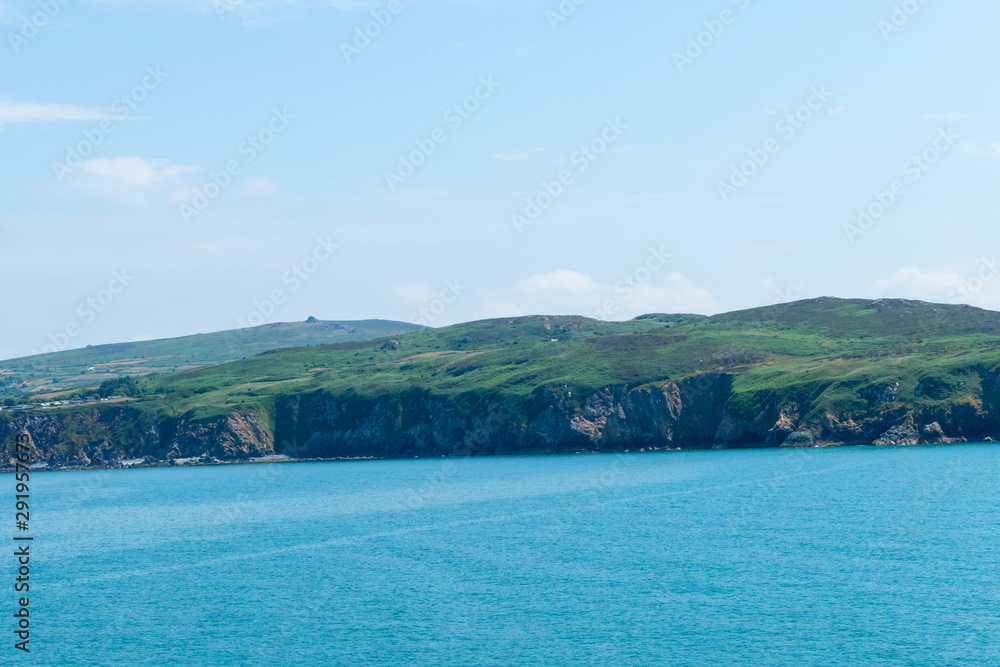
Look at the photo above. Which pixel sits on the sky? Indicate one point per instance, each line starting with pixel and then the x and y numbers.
pixel 181 166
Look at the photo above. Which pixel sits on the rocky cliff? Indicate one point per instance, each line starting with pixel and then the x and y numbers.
pixel 700 412
pixel 105 437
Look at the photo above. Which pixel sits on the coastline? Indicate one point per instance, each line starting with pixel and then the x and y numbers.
pixel 200 462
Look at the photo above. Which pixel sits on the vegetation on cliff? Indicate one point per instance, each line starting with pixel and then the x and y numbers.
pixel 811 372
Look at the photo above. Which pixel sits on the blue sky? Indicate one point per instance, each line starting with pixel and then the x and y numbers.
pixel 478 158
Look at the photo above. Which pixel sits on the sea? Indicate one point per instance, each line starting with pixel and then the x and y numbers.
pixel 833 556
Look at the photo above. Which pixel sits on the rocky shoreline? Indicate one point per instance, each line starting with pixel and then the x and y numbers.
pixel 199 462
pixel 690 414
pixel 699 412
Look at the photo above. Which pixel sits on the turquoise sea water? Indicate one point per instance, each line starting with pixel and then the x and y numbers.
pixel 810 557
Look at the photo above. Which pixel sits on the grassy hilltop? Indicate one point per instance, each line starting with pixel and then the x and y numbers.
pixel 823 370
pixel 836 346
pixel 58 371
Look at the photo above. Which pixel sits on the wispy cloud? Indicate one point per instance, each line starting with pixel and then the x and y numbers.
pixel 912 283
pixel 258 5
pixel 566 292
pixel 27 112
pixel 134 171
pixel 525 155
pixel 129 179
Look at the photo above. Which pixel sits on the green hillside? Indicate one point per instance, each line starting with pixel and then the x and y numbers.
pixel 818 372
pixel 837 346
pixel 68 369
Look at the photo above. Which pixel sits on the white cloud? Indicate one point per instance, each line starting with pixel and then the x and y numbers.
pixel 25 112
pixel 836 111
pixel 979 286
pixel 134 171
pixel 566 292
pixel 561 281
pixel 773 293
pixel 916 284
pixel 127 178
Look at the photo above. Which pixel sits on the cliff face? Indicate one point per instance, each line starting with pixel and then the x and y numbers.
pixel 695 413
pixel 106 437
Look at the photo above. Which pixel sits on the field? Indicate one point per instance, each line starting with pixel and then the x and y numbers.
pixel 836 351
pixel 58 371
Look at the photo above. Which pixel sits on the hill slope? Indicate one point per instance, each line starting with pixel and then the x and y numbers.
pixel 824 371
pixel 63 370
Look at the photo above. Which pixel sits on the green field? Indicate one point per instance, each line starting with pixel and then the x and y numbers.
pixel 58 371
pixel 839 347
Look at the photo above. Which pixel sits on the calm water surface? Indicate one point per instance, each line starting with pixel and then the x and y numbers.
pixel 812 557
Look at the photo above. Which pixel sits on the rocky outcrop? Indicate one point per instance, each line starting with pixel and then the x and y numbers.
pixel 106 437
pixel 900 434
pixel 803 438
pixel 880 393
pixel 237 436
